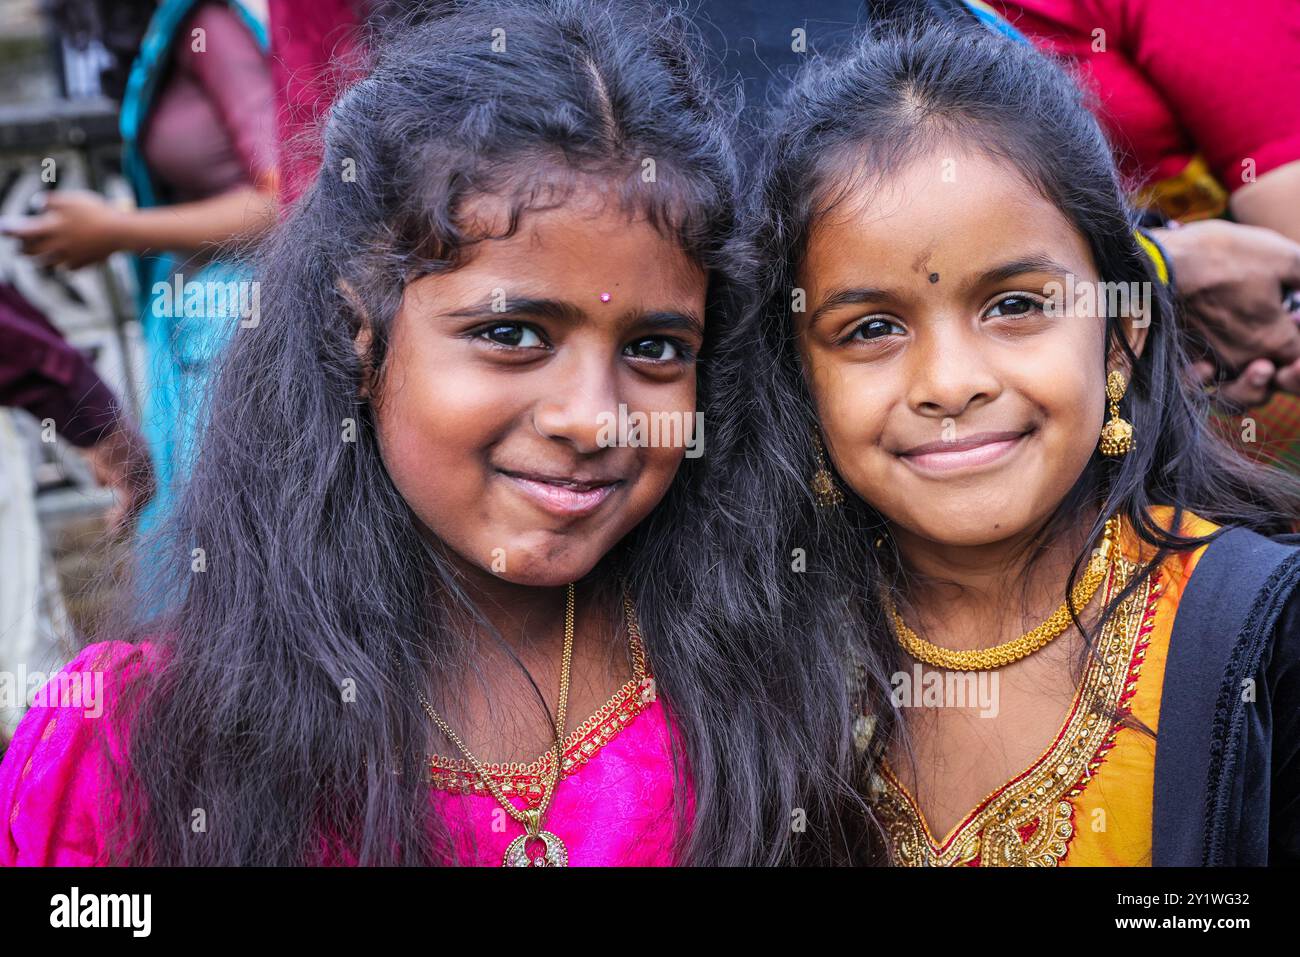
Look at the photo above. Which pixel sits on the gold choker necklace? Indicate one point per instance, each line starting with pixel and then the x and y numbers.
pixel 985 659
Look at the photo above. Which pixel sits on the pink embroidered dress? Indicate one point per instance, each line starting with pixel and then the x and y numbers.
pixel 613 804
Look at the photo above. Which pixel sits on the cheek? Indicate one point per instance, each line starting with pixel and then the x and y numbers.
pixel 659 461
pixel 1067 383
pixel 433 425
pixel 658 469
pixel 852 402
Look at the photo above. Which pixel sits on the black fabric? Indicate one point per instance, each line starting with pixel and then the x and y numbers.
pixel 1284 687
pixel 1227 772
pixel 753 38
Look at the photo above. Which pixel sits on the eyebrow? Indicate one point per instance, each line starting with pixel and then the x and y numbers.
pixel 849 297
pixel 561 311
pixel 520 306
pixel 1036 262
pixel 669 321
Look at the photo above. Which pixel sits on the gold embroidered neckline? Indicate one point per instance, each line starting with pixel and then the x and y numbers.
pixel 1037 763
pixel 1028 820
pixel 525 779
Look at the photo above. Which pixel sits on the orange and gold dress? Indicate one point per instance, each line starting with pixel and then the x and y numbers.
pixel 1087 800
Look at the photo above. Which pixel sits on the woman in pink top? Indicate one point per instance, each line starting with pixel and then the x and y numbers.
pixel 444 585
pixel 197 122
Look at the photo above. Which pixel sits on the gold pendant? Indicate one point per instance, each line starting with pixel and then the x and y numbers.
pixel 554 853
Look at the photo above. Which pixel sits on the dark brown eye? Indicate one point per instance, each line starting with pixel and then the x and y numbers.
pixel 1014 306
pixel 659 350
pixel 877 328
pixel 513 334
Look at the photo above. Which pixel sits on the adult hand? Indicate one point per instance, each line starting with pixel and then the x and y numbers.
pixel 74 229
pixel 120 461
pixel 1253 387
pixel 1231 282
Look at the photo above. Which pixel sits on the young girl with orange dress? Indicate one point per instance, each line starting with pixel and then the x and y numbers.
pixel 1079 643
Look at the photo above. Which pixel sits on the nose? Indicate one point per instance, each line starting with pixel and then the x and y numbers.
pixel 950 372
pixel 580 402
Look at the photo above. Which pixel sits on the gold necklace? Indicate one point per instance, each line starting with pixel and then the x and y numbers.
pixel 984 659
pixel 554 853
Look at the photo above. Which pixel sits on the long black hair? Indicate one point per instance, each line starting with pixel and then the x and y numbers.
pixel 315 574
pixel 901 90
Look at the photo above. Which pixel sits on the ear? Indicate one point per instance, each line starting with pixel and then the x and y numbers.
pixel 361 339
pixel 1135 326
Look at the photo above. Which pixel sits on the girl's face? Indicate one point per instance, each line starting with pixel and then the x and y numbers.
pixel 495 404
pixel 950 398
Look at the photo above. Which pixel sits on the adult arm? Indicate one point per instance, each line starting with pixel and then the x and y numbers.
pixel 44 374
pixel 77 227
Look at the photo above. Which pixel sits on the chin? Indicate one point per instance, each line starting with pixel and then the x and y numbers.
pixel 548 567
pixel 538 577
pixel 963 537
pixel 978 525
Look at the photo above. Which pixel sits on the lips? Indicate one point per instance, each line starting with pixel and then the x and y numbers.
pixel 564 495
pixel 972 451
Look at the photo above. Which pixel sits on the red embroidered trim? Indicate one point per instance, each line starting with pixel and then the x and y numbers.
pixel 1134 669
pixel 527 781
pixel 1124 708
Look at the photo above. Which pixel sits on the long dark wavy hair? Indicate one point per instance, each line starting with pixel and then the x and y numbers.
pixel 899 91
pixel 316 573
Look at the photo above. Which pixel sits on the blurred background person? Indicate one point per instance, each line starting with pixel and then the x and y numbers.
pixel 188 86
pixel 1201 101
pixel 43 374
pixel 197 126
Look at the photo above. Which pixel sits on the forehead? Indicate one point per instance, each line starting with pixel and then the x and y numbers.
pixel 951 211
pixel 574 235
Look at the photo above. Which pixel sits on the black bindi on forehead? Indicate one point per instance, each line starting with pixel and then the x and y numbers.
pixel 934 277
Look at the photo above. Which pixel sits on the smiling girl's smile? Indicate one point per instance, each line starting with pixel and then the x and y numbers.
pixel 941 459
pixel 564 497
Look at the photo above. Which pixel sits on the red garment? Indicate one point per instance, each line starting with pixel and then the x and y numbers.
pixel 314 47
pixel 42 372
pixel 1182 77
pixel 212 126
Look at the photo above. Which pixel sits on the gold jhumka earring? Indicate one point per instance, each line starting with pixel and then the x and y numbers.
pixel 1117 433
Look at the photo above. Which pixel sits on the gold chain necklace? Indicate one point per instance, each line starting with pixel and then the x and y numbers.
pixel 984 659
pixel 554 853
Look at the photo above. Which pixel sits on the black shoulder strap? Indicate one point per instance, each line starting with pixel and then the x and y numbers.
pixel 1238 570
